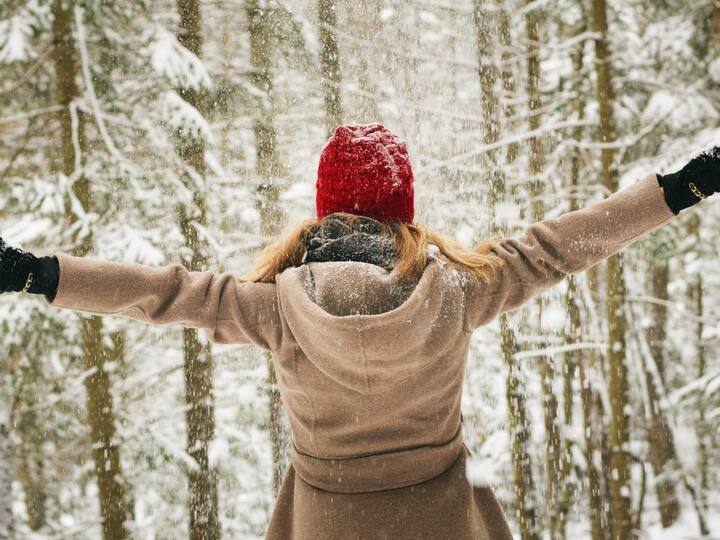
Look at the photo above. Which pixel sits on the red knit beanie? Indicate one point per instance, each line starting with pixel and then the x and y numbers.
pixel 365 170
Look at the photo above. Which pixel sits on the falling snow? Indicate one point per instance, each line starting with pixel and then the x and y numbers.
pixel 156 152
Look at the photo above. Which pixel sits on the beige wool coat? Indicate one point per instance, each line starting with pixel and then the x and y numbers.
pixel 370 366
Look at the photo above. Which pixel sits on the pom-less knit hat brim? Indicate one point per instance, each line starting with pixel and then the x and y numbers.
pixel 365 170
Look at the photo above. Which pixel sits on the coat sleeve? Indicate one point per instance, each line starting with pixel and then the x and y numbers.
pixel 550 249
pixel 226 309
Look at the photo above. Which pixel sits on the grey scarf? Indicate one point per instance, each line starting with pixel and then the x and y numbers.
pixel 337 240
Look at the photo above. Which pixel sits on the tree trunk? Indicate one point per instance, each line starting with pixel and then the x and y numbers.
pixel 28 455
pixel 620 489
pixel 519 425
pixel 537 156
pixel 537 212
pixel 113 491
pixel 702 420
pixel 488 72
pixel 272 218
pixel 366 21
pixel 519 428
pixel 566 486
pixel 596 506
pixel 574 331
pixel 330 64
pixel 506 73
pixel 703 428
pixel 197 357
pixel 200 420
pixel 662 446
pixel 578 359
pixel 7 529
pixel 115 506
pixel 31 468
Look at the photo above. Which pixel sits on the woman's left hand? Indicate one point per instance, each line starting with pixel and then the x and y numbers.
pixel 21 271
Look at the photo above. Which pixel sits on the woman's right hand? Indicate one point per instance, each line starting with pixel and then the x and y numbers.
pixel 698 179
pixel 19 269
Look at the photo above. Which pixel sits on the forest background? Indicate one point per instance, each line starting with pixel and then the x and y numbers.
pixel 189 132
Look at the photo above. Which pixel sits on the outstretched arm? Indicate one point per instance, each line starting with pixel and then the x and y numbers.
pixel 228 311
pixel 551 249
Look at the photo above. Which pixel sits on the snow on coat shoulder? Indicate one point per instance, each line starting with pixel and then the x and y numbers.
pixel 366 328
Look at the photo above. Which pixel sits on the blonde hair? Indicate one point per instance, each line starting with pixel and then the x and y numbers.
pixel 411 241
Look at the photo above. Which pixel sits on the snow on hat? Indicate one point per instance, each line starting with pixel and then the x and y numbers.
pixel 365 170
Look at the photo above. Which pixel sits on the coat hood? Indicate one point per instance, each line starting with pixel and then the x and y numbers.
pixel 362 325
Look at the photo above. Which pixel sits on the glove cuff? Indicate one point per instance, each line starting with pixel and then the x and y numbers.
pixel 46 276
pixel 680 193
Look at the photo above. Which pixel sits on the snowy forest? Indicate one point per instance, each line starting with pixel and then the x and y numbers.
pixel 189 132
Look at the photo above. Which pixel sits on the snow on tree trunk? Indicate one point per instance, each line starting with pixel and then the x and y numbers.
pixel 537 213
pixel 365 17
pixel 272 217
pixel 197 357
pixel 703 428
pixel 579 358
pixel 620 489
pixel 574 330
pixel 662 446
pixel 506 72
pixel 519 425
pixel 520 437
pixel 112 489
pixel 330 64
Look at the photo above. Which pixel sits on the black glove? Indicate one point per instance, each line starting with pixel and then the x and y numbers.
pixel 19 268
pixel 698 179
